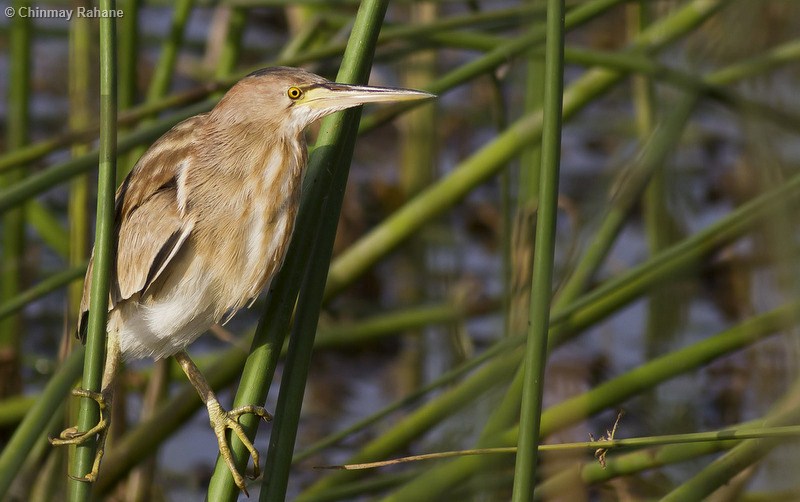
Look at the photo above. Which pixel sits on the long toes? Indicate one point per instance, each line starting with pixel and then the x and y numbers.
pixel 70 433
pixel 72 436
pixel 94 396
pixel 226 454
pixel 259 411
pixel 89 478
pixel 239 431
pixel 69 436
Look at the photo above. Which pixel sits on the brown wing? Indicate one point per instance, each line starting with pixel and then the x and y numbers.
pixel 150 226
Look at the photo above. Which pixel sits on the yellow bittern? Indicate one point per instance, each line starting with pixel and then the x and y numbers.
pixel 202 225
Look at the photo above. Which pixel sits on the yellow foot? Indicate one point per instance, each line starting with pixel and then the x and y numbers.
pixel 72 436
pixel 222 420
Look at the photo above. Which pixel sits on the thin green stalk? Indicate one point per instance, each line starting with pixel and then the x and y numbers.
pixel 636 462
pixel 670 263
pixel 484 163
pixel 43 181
pixel 360 488
pixel 519 257
pixel 439 382
pixel 627 194
pixel 139 443
pixel 544 250
pixel 711 85
pixel 98 309
pixel 592 473
pixel 663 311
pixel 421 420
pixel 335 145
pixel 746 454
pixel 48 227
pixel 165 68
pixel 418 153
pixel 13 410
pixel 44 287
pixel 374 328
pixel 164 71
pixel 475 169
pixel 13 222
pixel 232 46
pixel 128 53
pixel 40 182
pixel 128 73
pixel 442 478
pixel 391 34
pixel 79 118
pixel 501 54
pixel 36 420
pixel 521 254
pixel 79 218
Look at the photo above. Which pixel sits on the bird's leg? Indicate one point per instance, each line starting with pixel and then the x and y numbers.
pixel 221 419
pixel 103 399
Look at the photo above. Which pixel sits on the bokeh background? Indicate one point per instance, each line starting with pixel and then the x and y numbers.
pixel 675 277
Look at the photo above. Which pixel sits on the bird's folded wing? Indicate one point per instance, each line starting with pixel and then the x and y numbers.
pixel 148 239
pixel 149 226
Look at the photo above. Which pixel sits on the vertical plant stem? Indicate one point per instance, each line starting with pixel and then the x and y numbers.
pixel 33 425
pixel 518 285
pixel 335 144
pixel 128 53
pixel 663 312
pixel 95 342
pixel 79 118
pixel 440 479
pixel 78 217
pixel 523 233
pixel 232 46
pixel 13 222
pixel 657 148
pixel 164 70
pixel 418 158
pixel 128 74
pixel 544 248
pixel 270 334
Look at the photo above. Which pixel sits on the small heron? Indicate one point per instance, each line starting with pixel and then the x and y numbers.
pixel 202 225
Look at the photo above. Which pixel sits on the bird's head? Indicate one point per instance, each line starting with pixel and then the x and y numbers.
pixel 289 99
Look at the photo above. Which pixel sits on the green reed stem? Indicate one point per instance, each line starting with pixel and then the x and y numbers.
pixel 98 310
pixel 335 146
pixel 36 420
pixel 544 250
pixel 13 222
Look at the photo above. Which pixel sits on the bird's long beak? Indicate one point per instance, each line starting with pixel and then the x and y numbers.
pixel 333 96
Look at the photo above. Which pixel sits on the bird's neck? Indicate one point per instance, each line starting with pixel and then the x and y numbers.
pixel 244 150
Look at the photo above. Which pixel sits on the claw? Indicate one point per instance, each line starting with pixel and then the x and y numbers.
pixel 71 435
pixel 222 420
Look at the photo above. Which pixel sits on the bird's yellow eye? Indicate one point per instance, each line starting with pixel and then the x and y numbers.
pixel 295 93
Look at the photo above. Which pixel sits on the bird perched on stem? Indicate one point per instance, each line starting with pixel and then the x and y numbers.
pixel 202 225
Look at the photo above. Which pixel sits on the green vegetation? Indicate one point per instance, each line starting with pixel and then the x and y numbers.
pixel 598 214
